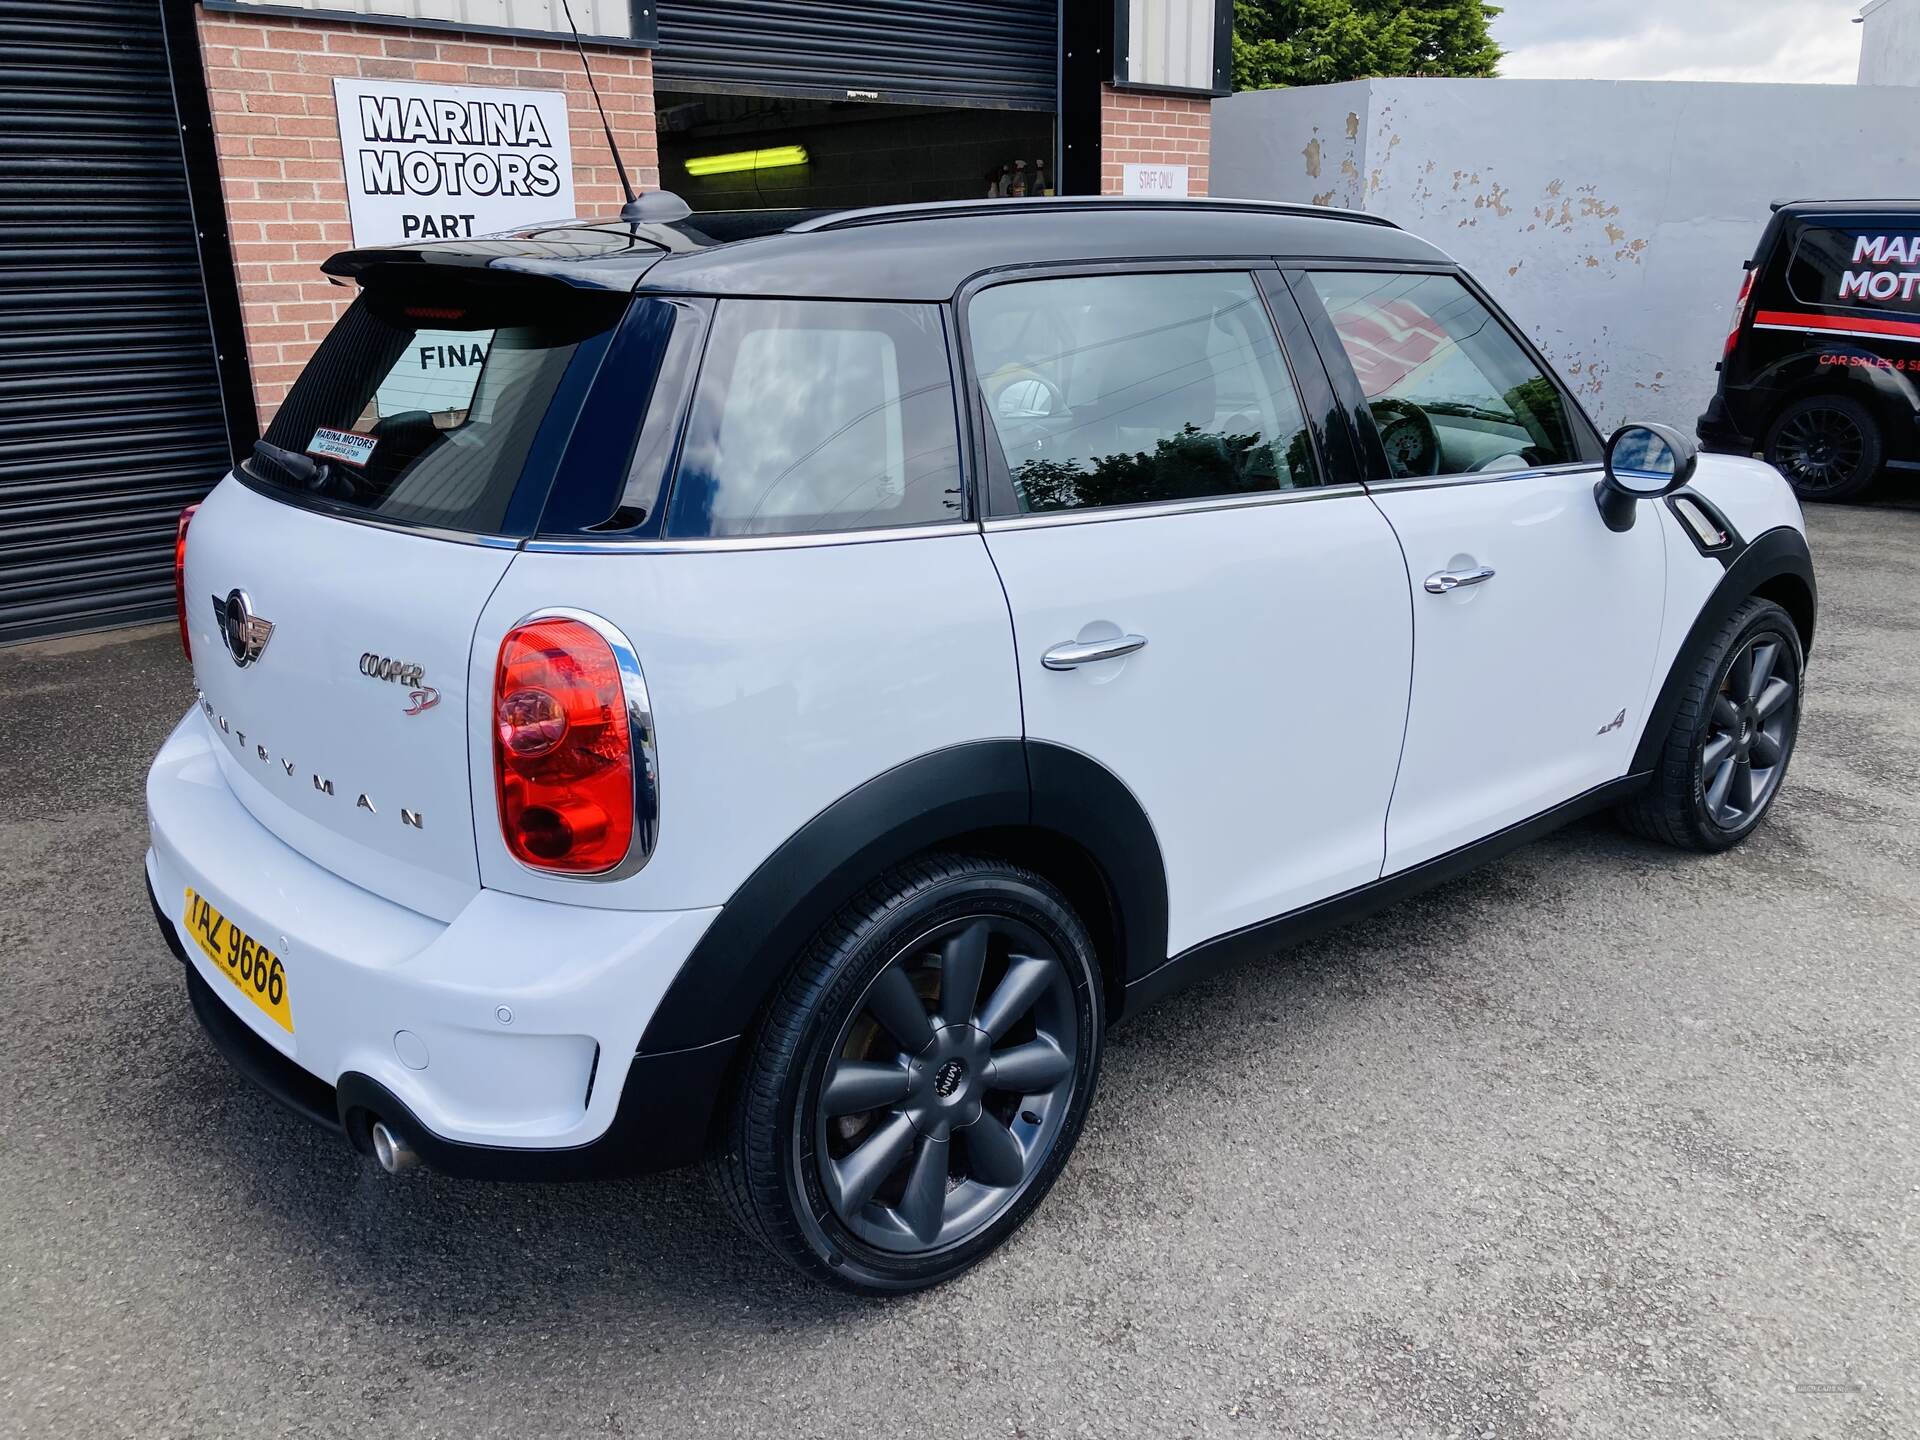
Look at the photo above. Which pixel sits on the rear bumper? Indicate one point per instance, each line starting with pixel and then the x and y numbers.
pixel 1719 433
pixel 502 1044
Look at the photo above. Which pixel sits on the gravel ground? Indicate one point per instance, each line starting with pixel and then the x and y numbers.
pixel 1602 1141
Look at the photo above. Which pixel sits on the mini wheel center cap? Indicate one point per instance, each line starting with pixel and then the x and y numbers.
pixel 947 1078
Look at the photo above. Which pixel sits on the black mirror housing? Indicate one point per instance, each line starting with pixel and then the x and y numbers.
pixel 1644 461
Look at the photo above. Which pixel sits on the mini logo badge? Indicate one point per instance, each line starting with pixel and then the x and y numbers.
pixel 948 1079
pixel 246 633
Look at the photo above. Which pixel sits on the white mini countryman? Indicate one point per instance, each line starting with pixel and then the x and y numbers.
pixel 773 689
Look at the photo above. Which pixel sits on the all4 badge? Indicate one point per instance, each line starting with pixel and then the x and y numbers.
pixel 1614 724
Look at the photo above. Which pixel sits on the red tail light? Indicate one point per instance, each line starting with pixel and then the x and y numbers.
pixel 563 748
pixel 180 578
pixel 1739 315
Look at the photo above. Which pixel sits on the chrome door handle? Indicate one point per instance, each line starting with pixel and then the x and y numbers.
pixel 1070 654
pixel 1445 582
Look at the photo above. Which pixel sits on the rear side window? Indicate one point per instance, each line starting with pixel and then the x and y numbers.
pixel 1450 390
pixel 1135 389
pixel 1857 267
pixel 423 407
pixel 819 415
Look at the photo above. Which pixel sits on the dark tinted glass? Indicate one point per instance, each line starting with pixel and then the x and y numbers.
pixel 1858 266
pixel 422 408
pixel 1451 391
pixel 1131 389
pixel 815 415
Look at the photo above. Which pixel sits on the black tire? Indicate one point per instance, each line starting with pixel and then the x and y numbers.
pixel 1828 447
pixel 1721 722
pixel 786 1168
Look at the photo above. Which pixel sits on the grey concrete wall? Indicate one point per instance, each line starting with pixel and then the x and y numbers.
pixel 1610 218
pixel 1890 43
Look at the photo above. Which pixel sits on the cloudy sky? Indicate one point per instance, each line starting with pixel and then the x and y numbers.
pixel 1801 41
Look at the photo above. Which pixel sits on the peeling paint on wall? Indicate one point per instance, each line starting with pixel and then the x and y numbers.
pixel 1312 152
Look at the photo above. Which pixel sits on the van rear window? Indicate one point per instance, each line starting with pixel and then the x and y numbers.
pixel 1857 266
pixel 424 406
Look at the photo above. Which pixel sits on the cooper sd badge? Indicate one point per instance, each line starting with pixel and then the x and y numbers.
pixel 402 672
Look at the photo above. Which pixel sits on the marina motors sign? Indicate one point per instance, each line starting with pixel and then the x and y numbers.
pixel 1886 269
pixel 443 162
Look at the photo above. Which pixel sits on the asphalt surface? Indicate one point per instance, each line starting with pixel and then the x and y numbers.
pixel 1603 1140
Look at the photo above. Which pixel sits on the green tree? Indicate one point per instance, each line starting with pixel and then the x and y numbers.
pixel 1316 42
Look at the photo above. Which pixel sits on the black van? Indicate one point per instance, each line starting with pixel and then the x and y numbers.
pixel 1822 363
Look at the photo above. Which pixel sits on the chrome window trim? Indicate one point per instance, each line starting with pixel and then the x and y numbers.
pixel 698 544
pixel 1094 514
pixel 640 734
pixel 1483 477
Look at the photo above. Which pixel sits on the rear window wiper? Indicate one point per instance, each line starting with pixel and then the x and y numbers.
pixel 310 474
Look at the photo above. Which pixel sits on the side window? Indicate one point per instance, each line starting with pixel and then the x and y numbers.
pixel 1128 389
pixel 815 415
pixel 1451 391
pixel 1857 267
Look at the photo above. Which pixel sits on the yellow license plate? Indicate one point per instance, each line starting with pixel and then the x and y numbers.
pixel 255 970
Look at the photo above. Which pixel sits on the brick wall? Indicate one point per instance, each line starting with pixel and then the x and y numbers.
pixel 1153 130
pixel 270 80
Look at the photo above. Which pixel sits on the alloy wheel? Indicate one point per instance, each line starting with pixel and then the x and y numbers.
pixel 949 1084
pixel 1750 732
pixel 1820 450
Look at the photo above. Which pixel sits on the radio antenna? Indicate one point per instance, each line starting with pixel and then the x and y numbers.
pixel 619 165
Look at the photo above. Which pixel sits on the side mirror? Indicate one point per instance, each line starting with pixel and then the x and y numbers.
pixel 1644 461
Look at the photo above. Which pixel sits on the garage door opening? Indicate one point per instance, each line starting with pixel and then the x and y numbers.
pixel 749 152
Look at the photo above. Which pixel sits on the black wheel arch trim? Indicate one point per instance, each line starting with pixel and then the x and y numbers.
pixel 922 804
pixel 1777 561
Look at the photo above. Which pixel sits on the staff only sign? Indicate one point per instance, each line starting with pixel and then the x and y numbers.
pixel 446 162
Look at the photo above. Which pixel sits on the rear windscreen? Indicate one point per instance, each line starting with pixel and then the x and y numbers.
pixel 1858 265
pixel 424 406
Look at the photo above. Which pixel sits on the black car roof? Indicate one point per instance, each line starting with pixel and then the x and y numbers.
pixel 909 252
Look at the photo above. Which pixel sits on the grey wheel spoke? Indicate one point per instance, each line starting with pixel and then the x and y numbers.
pixel 1725 716
pixel 923 1205
pixel 1721 783
pixel 1035 1066
pixel 1715 753
pixel 1026 978
pixel 1765 751
pixel 855 1086
pixel 1760 668
pixel 962 959
pixel 995 1152
pixel 896 1004
pixel 1740 795
pixel 1740 674
pixel 1776 693
pixel 859 1173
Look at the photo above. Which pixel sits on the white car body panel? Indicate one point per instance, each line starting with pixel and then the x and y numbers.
pixel 1529 689
pixel 360 969
pixel 1750 493
pixel 781 679
pixel 1260 726
pixel 334 590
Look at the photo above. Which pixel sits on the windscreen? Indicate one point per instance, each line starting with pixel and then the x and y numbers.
pixel 423 404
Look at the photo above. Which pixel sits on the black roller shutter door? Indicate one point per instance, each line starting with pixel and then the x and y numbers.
pixel 110 412
pixel 931 52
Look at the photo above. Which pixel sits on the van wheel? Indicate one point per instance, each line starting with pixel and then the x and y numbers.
pixel 920 1079
pixel 1727 751
pixel 1827 446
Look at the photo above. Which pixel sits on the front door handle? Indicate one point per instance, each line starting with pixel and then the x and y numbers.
pixel 1070 654
pixel 1445 582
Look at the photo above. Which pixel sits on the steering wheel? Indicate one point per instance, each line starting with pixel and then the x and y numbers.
pixel 1018 393
pixel 1407 435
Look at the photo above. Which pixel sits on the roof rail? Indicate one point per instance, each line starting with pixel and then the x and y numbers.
pixel 1892 201
pixel 947 209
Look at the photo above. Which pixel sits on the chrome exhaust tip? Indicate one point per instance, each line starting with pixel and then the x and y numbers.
pixel 393 1153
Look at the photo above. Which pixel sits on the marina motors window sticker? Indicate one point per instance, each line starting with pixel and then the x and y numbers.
pixel 446 162
pixel 1873 278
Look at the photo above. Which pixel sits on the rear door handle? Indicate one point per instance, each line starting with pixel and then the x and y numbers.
pixel 1445 582
pixel 1070 654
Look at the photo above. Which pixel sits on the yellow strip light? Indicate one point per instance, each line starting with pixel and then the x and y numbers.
pixel 776 158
